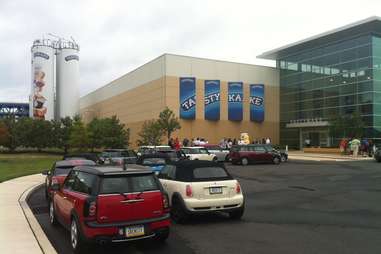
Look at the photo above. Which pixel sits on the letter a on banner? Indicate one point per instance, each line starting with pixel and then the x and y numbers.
pixel 212 100
pixel 235 98
pixel 188 98
pixel 257 103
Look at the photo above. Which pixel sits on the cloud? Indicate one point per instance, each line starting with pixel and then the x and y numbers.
pixel 116 36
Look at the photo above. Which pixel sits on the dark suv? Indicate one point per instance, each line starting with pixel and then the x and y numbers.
pixel 109 204
pixel 245 154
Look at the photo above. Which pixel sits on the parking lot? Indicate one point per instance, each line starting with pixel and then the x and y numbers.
pixel 294 207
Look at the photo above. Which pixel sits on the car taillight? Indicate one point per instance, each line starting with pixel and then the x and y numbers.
pixel 92 208
pixel 238 188
pixel 165 201
pixel 188 191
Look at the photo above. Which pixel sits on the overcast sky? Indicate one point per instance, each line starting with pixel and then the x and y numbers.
pixel 117 36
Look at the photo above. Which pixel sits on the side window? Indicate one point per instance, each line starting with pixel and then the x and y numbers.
pixel 172 172
pixel 70 179
pixel 164 172
pixel 260 149
pixel 84 183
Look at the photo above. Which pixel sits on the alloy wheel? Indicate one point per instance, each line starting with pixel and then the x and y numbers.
pixel 74 234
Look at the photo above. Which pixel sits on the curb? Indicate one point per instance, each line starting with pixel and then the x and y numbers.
pixel 44 243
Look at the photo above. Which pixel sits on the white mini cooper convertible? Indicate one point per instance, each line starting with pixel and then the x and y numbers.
pixel 196 187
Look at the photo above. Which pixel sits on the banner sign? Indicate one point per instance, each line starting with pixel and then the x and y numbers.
pixel 257 107
pixel 212 100
pixel 235 98
pixel 188 98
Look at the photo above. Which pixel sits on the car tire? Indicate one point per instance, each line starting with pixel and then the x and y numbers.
pixel 215 159
pixel 244 161
pixel 276 160
pixel 52 214
pixel 178 213
pixel 283 158
pixel 76 240
pixel 237 214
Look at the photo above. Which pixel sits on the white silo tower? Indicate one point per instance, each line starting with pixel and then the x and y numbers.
pixel 42 105
pixel 67 78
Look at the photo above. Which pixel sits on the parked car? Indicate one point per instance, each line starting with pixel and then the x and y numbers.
pixel 118 156
pixel 154 161
pixel 246 154
pixel 109 205
pixel 198 153
pixel 377 154
pixel 59 171
pixel 87 156
pixel 152 149
pixel 221 153
pixel 283 152
pixel 196 187
pixel 174 155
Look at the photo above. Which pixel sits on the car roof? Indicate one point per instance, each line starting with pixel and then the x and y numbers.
pixel 76 162
pixel 155 155
pixel 196 164
pixel 109 170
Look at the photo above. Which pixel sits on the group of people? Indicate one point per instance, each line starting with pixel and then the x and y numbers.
pixel 354 146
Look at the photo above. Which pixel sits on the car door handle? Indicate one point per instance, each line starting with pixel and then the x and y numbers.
pixel 128 201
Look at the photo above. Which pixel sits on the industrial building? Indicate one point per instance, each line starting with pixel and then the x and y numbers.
pixel 213 99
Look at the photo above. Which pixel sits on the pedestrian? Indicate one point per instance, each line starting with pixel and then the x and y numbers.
pixel 177 144
pixel 230 143
pixel 268 141
pixel 185 142
pixel 355 146
pixel 171 143
pixel 342 146
pixel 235 142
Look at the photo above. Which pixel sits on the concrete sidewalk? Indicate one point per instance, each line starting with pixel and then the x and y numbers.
pixel 16 235
pixel 300 155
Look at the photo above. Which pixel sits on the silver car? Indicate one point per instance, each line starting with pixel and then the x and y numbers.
pixel 221 153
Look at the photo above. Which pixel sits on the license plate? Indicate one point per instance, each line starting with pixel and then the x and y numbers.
pixel 215 190
pixel 134 231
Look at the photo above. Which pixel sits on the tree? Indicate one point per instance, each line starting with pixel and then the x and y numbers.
pixel 347 126
pixel 168 122
pixel 150 133
pixel 12 138
pixel 4 134
pixel 78 135
pixel 108 133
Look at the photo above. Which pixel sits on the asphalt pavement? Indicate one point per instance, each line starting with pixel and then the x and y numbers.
pixel 295 207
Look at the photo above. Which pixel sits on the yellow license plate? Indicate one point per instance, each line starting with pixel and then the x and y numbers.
pixel 134 231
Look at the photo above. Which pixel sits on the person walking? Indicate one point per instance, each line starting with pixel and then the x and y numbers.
pixel 355 146
pixel 177 144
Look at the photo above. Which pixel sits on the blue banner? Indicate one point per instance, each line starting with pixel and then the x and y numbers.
pixel 212 100
pixel 235 98
pixel 257 105
pixel 188 98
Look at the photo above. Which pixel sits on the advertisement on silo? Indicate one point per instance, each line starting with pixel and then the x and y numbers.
pixel 235 98
pixel 43 82
pixel 188 98
pixel 212 100
pixel 257 108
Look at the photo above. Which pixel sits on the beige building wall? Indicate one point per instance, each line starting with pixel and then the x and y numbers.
pixel 141 95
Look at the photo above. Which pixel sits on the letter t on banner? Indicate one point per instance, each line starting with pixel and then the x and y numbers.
pixel 188 98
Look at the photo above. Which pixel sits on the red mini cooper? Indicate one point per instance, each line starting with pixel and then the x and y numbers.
pixel 59 171
pixel 109 205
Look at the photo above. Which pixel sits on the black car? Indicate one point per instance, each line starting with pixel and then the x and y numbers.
pixel 283 152
pixel 118 156
pixel 377 154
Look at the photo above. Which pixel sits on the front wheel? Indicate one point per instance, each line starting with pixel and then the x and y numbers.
pixel 244 161
pixel 52 214
pixel 283 158
pixel 276 160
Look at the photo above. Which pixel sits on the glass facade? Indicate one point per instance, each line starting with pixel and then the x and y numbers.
pixel 319 84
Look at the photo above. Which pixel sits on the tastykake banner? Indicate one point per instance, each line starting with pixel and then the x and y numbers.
pixel 257 107
pixel 235 98
pixel 212 100
pixel 188 98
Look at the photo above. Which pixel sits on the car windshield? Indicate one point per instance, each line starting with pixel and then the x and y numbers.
pixel 62 170
pixel 128 184
pixel 153 161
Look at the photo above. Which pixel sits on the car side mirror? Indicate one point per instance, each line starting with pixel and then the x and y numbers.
pixel 56 187
pixel 45 172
